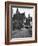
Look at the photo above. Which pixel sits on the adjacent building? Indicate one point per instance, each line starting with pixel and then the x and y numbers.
pixel 18 20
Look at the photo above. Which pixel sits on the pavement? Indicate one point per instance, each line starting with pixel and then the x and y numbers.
pixel 24 32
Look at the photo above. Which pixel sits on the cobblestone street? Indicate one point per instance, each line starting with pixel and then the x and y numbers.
pixel 22 33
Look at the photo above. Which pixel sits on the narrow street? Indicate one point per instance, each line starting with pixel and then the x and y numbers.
pixel 21 33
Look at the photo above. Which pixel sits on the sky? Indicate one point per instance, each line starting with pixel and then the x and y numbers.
pixel 22 10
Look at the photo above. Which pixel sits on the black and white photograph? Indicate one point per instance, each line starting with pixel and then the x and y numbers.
pixel 21 22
